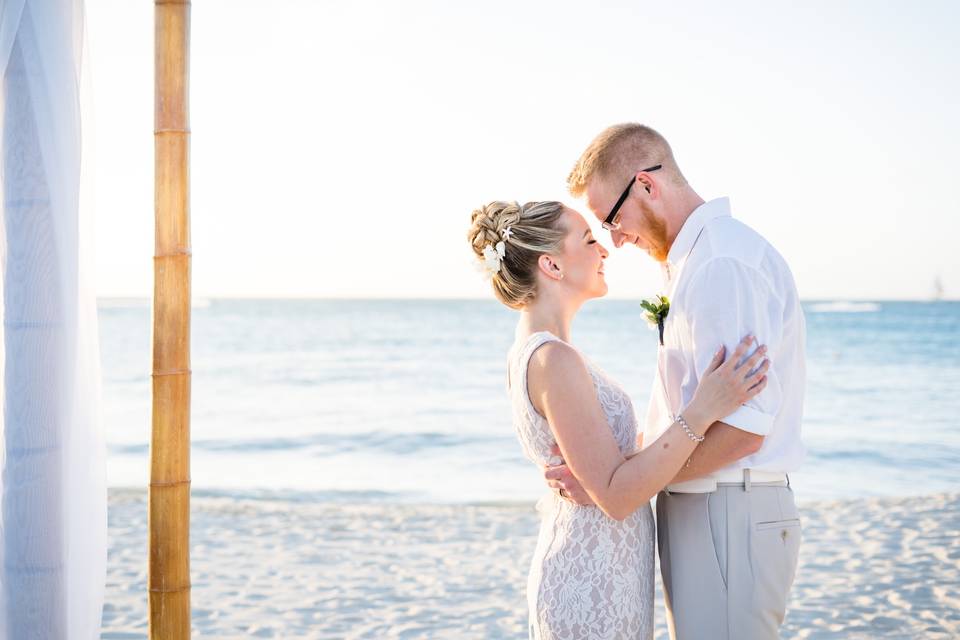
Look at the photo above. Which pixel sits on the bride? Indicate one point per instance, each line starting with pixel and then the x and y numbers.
pixel 592 571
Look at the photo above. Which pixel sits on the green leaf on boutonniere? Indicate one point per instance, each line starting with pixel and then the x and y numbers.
pixel 656 313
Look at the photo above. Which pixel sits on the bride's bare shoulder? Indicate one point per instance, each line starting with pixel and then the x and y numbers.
pixel 555 362
pixel 555 353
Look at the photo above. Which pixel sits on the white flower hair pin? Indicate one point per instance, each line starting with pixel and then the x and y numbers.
pixel 493 254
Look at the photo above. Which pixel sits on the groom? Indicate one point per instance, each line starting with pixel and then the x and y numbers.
pixel 728 529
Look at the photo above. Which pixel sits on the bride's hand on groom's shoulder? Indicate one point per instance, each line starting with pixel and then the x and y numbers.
pixel 560 479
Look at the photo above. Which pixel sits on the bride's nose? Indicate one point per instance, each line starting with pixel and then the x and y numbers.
pixel 603 251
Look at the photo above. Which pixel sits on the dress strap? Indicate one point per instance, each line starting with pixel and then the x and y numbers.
pixel 522 360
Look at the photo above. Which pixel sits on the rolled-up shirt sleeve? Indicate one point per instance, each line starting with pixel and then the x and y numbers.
pixel 725 301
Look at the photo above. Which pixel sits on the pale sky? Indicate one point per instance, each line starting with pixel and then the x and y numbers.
pixel 339 146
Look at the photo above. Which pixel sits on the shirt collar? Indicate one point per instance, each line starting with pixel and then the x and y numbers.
pixel 718 208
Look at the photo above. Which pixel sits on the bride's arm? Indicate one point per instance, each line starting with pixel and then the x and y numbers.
pixel 562 390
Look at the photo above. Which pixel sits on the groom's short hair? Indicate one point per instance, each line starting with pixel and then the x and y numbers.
pixel 619 151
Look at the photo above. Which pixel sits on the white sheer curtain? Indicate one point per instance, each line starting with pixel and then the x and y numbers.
pixel 52 486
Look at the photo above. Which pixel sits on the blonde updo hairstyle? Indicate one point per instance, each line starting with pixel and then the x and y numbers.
pixel 535 229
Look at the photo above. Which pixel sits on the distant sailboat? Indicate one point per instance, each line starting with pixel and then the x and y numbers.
pixel 937 288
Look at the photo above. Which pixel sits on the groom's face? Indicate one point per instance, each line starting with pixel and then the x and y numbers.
pixel 640 224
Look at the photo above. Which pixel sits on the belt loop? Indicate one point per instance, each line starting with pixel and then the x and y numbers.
pixel 788 480
pixel 746 479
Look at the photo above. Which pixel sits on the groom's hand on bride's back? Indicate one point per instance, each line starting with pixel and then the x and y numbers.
pixel 561 480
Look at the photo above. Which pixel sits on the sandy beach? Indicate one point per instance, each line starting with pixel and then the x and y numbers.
pixel 282 568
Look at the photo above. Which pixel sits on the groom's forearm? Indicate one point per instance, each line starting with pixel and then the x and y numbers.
pixel 722 446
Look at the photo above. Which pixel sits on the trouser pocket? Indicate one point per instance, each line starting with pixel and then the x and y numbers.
pixel 775 552
pixel 716 521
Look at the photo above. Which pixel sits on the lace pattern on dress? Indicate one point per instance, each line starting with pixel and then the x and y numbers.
pixel 591 576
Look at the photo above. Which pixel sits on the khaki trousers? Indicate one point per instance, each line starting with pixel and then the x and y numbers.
pixel 728 559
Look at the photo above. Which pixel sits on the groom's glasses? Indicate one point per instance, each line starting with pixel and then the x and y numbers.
pixel 610 224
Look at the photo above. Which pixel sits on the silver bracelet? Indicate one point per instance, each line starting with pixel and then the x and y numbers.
pixel 686 429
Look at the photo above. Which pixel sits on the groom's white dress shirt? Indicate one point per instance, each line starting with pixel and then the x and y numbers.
pixel 725 281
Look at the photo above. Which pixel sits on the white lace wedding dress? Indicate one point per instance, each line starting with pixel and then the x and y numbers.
pixel 591 577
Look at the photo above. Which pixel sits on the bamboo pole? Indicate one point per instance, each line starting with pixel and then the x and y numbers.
pixel 169 510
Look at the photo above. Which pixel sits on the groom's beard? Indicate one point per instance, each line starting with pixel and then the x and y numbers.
pixel 656 234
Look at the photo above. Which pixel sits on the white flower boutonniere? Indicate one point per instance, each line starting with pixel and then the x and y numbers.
pixel 656 313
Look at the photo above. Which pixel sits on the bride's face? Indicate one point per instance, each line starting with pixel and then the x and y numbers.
pixel 582 258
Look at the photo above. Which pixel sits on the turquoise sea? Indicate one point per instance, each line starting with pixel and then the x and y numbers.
pixel 404 400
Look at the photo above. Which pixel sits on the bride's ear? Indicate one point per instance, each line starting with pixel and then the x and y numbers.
pixel 549 267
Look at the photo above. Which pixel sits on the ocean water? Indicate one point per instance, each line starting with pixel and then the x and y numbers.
pixel 405 401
